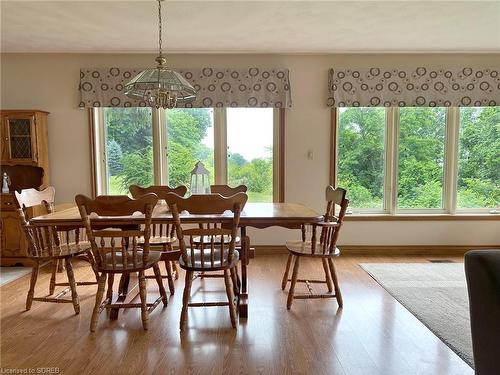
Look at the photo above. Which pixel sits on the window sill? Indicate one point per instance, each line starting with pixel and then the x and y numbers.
pixel 420 217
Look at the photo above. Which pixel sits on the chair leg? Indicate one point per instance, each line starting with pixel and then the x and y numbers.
pixel 159 280
pixel 328 279
pixel 123 284
pixel 185 299
pixel 31 292
pixel 101 283
pixel 92 262
pixel 338 294
pixel 230 298
pixel 173 265
pixel 109 292
pixel 176 270
pixel 72 285
pixel 52 285
pixel 144 305
pixel 234 279
pixel 294 281
pixel 170 279
pixel 287 269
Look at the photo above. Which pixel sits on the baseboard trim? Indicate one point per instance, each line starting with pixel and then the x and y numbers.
pixel 386 250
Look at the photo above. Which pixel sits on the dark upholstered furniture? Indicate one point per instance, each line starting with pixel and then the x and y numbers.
pixel 482 269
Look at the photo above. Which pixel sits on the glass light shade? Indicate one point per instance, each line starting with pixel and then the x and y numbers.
pixel 200 179
pixel 160 87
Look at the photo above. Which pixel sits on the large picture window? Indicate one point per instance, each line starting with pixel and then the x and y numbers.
pixel 421 157
pixel 418 159
pixel 479 158
pixel 145 147
pixel 128 148
pixel 190 138
pixel 361 156
pixel 250 151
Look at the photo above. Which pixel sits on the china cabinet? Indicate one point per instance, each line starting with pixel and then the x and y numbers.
pixel 24 157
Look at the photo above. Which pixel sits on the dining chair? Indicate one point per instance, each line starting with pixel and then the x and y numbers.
pixel 117 250
pixel 213 255
pixel 162 236
pixel 51 244
pixel 323 248
pixel 226 190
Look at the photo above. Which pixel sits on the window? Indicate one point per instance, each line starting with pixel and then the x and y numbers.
pixel 418 159
pixel 144 147
pixel 479 158
pixel 421 157
pixel 190 138
pixel 128 148
pixel 361 156
pixel 250 151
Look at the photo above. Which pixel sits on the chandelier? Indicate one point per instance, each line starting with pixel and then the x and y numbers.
pixel 160 87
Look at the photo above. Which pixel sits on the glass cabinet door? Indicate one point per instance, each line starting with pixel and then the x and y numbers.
pixel 20 133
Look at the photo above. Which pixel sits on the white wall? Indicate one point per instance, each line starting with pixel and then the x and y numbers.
pixel 50 82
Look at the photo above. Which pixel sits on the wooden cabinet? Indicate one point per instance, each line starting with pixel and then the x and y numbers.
pixel 23 153
pixel 13 241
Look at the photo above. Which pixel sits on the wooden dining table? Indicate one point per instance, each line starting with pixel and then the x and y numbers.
pixel 255 215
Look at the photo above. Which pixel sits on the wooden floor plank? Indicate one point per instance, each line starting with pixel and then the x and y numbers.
pixel 373 334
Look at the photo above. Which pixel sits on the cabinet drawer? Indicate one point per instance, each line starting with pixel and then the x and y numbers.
pixel 8 203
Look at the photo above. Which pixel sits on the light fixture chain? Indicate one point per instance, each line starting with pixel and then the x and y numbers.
pixel 160 87
pixel 159 26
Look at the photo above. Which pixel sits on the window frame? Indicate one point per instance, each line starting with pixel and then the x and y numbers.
pixel 391 165
pixel 160 150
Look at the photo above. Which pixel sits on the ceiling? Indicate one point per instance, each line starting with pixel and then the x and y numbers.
pixel 251 26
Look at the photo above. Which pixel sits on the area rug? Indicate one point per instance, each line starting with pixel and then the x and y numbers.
pixel 436 294
pixel 8 274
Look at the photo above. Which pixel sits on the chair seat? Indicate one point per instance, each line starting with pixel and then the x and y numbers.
pixel 153 257
pixel 301 248
pixel 63 251
pixel 217 239
pixel 158 240
pixel 207 265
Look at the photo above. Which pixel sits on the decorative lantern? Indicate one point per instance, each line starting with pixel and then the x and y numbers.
pixel 200 179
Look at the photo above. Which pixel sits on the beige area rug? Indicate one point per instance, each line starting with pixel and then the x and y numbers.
pixel 436 294
pixel 9 274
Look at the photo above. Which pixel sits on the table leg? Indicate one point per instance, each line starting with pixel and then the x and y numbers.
pixel 243 297
pixel 123 292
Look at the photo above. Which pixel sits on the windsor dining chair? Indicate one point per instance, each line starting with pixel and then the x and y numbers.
pixel 54 244
pixel 323 248
pixel 117 250
pixel 213 252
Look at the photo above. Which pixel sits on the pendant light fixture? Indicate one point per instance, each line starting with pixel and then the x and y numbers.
pixel 160 87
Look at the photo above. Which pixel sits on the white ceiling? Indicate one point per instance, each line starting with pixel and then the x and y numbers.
pixel 251 26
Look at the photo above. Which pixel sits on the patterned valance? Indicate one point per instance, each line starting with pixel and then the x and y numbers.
pixel 421 87
pixel 251 87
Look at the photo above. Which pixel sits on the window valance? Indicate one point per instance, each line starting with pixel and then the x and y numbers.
pixel 217 87
pixel 421 87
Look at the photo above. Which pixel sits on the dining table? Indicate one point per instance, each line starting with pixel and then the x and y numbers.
pixel 255 215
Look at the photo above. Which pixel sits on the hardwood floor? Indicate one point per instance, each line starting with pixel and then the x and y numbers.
pixel 373 334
